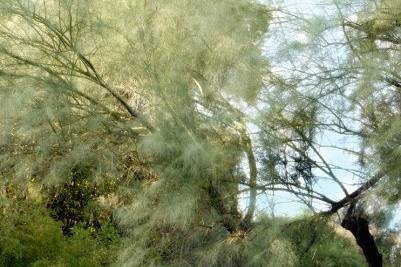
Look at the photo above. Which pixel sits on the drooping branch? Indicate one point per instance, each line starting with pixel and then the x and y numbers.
pixel 88 72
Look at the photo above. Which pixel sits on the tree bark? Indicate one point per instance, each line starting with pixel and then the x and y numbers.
pixel 359 227
pixel 247 221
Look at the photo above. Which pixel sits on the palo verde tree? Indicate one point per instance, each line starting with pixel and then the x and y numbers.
pixel 136 97
pixel 334 89
pixel 128 116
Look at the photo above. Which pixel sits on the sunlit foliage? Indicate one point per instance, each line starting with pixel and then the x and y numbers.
pixel 125 133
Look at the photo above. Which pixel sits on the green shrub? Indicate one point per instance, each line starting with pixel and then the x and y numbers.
pixel 30 237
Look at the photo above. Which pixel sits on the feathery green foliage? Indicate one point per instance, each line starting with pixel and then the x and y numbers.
pixel 125 140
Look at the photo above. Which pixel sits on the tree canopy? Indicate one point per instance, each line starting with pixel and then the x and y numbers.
pixel 153 133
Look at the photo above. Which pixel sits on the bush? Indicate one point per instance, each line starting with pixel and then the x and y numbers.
pixel 30 237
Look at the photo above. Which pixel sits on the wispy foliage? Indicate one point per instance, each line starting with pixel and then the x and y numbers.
pixel 126 121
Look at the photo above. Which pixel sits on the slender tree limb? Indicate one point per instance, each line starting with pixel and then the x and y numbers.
pixel 355 194
pixel 252 180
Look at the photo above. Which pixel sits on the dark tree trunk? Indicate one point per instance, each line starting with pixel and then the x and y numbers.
pixel 359 227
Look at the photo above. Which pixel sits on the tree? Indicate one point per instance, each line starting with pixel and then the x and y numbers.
pixel 344 90
pixel 79 110
pixel 131 115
